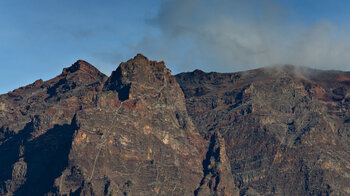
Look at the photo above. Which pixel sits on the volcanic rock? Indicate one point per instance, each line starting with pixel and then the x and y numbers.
pixel 280 130
pixel 286 128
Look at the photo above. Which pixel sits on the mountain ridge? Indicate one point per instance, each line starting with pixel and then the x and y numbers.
pixel 278 130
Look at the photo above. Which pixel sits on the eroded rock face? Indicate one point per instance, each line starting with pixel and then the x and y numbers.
pixel 37 126
pixel 82 133
pixel 217 179
pixel 142 131
pixel 286 129
pixel 142 142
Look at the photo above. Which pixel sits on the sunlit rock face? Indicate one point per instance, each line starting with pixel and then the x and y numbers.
pixel 86 134
pixel 142 131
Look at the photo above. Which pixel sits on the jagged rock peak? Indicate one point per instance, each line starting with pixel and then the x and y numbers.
pixel 140 56
pixel 139 71
pixel 81 65
pixel 140 60
pixel 85 71
pixel 139 68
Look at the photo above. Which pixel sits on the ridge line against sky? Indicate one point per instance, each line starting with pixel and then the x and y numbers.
pixel 38 38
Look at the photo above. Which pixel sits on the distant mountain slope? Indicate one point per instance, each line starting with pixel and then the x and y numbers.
pixel 271 131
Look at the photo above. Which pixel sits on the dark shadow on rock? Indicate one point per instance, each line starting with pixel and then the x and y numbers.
pixel 52 91
pixel 46 157
pixel 9 151
pixel 123 93
pixel 61 87
pixel 115 83
pixel 212 152
pixel 78 191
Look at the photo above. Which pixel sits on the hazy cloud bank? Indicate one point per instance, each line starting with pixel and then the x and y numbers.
pixel 228 35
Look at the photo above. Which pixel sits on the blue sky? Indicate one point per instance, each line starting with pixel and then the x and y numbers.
pixel 38 38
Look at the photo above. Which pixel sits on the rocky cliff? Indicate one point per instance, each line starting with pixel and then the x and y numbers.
pixel 286 129
pixel 142 131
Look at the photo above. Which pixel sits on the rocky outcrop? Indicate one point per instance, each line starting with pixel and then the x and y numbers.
pixel 217 179
pixel 140 142
pixel 82 133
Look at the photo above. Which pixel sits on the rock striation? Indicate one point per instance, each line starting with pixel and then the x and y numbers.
pixel 142 131
pixel 217 179
pixel 83 133
pixel 286 128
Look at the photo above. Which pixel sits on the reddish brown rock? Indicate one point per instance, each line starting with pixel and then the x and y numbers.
pixel 141 131
pixel 217 179
pixel 286 128
pixel 86 135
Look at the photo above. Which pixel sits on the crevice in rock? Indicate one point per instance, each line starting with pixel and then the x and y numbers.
pixel 217 179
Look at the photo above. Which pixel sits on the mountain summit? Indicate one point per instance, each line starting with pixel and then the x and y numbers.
pixel 280 130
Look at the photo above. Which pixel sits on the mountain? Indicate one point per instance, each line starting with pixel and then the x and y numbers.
pixel 280 130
